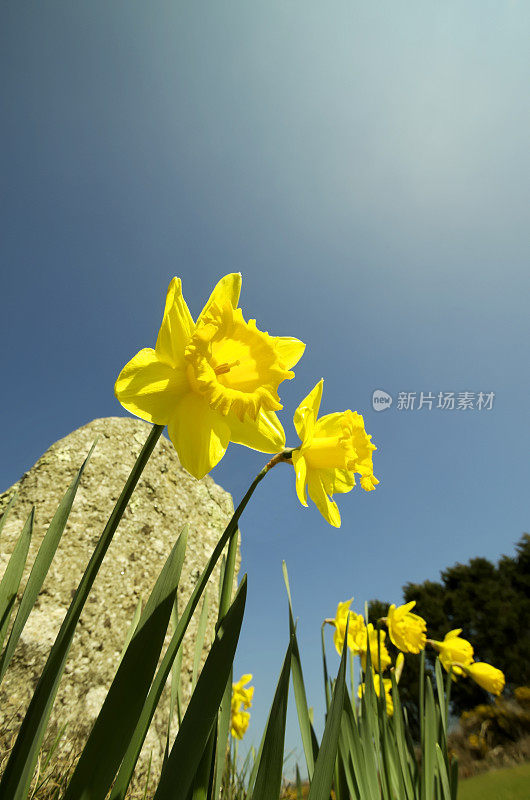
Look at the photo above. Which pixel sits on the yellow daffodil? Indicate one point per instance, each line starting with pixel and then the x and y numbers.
pixel 407 631
pixel 333 448
pixel 453 649
pixel 355 627
pixel 239 724
pixel 387 688
pixel 369 638
pixel 211 382
pixel 240 694
pixel 489 678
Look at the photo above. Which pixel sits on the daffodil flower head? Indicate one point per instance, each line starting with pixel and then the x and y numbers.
pixel 356 627
pixel 407 631
pixel 239 724
pixel 241 699
pixel 369 639
pixel 387 688
pixel 333 449
pixel 454 649
pixel 240 694
pixel 213 381
pixel 489 678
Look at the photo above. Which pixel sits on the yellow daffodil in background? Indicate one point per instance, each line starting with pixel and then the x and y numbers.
pixel 333 448
pixel 369 638
pixel 239 724
pixel 241 696
pixel 356 627
pixel 407 631
pixel 387 688
pixel 213 381
pixel 453 649
pixel 489 678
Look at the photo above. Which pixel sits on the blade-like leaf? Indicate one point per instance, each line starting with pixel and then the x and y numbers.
pixel 442 772
pixel 199 639
pixel 429 752
pixel 103 752
pixel 132 628
pixel 223 727
pixel 270 763
pixel 41 566
pixel 299 687
pixel 201 713
pixel 19 769
pixel 13 575
pixel 325 763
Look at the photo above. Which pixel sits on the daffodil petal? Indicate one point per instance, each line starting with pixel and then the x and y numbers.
pixel 300 469
pixel 226 290
pixel 290 350
pixel 199 434
pixel 176 328
pixel 327 507
pixel 311 403
pixel 150 388
pixel 265 433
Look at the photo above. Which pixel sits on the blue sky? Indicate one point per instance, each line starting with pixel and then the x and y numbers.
pixel 365 166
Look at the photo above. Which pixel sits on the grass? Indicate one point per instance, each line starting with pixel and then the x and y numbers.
pixel 503 784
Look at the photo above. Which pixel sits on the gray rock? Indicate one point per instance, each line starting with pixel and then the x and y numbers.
pixel 165 499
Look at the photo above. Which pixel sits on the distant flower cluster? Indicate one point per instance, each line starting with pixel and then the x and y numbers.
pixel 408 632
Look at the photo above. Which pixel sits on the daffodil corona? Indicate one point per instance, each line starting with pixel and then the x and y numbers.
pixel 333 448
pixel 213 381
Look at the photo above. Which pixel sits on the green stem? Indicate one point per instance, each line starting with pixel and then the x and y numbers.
pixel 325 668
pixel 137 739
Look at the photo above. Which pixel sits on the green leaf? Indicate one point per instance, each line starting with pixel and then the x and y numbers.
pixel 106 745
pixel 223 728
pixel 13 576
pixel 132 628
pixel 41 566
pixel 429 752
pixel 270 759
pixel 199 639
pixel 325 763
pixel 19 769
pixel 442 772
pixel 299 687
pixel 201 714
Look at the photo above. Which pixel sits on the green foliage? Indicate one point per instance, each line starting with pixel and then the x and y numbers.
pixel 491 603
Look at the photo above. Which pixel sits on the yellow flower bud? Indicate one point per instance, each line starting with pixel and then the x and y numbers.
pixel 489 678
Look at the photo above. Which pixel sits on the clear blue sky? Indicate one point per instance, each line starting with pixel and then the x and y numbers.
pixel 365 166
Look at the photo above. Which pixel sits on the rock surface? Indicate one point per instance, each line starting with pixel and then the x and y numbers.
pixel 165 499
